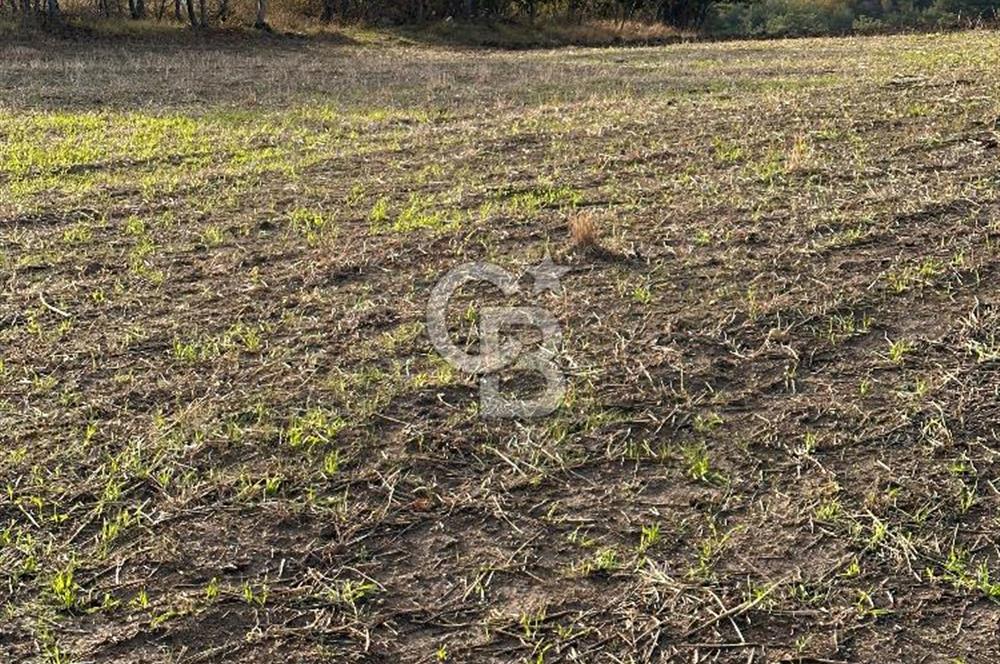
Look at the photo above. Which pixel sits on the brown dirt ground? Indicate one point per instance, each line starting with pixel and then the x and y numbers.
pixel 226 437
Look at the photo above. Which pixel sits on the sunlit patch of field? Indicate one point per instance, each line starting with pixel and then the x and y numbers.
pixel 226 436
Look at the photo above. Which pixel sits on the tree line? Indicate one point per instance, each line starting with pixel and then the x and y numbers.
pixel 204 13
pixel 732 18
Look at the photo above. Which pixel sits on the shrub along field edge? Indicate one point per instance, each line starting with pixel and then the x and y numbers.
pixel 494 23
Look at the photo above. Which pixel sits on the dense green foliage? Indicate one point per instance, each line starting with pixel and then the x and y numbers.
pixel 791 18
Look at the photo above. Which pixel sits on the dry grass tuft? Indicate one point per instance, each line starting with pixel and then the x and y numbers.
pixel 583 231
pixel 800 156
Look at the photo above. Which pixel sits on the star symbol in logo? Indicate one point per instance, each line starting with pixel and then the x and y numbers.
pixel 546 275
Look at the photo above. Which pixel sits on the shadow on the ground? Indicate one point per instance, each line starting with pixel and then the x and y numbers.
pixel 167 34
pixel 548 34
pixel 494 34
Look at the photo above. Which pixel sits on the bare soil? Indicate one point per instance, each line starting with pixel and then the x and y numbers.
pixel 227 438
